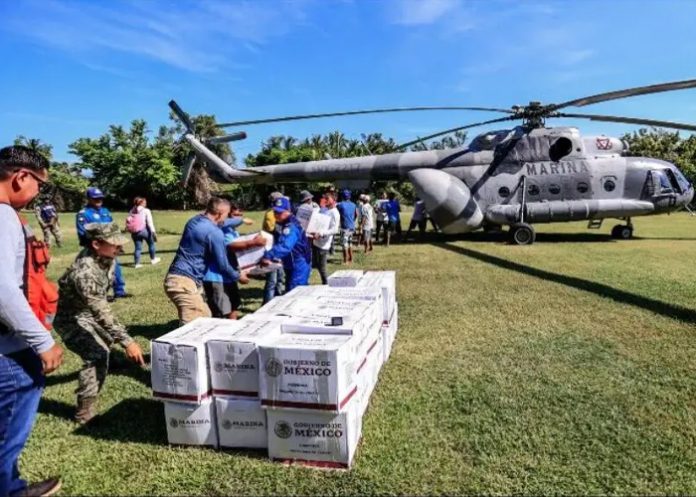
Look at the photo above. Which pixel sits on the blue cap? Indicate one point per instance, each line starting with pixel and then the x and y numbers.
pixel 346 193
pixel 94 192
pixel 281 204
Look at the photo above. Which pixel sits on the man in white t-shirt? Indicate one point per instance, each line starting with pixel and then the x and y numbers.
pixel 367 222
pixel 322 242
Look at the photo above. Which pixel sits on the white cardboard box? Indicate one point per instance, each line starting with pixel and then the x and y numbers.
pixel 241 423
pixel 283 306
pixel 349 293
pixel 389 333
pixel 189 424
pixel 316 372
pixel 317 439
pixel 233 359
pixel 335 316
pixel 318 223
pixel 250 258
pixel 386 281
pixel 179 362
pixel 345 277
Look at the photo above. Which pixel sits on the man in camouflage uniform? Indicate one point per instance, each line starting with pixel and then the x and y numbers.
pixel 47 215
pixel 85 320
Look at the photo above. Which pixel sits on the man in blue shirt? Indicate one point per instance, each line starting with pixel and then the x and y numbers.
pixel 349 212
pixel 393 209
pixel 95 212
pixel 290 245
pixel 221 292
pixel 201 245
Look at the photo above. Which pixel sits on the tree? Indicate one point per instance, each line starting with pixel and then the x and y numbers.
pixel 36 145
pixel 125 164
pixel 66 184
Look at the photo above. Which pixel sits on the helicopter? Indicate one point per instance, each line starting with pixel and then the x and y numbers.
pixel 514 177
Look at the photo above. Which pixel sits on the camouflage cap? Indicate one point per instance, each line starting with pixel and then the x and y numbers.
pixel 106 232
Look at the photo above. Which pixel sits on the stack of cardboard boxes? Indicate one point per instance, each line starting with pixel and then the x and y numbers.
pixel 295 377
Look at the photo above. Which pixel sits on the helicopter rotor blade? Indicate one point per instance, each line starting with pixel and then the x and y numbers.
pixel 187 168
pixel 630 120
pixel 356 112
pixel 452 130
pixel 226 138
pixel 629 92
pixel 183 116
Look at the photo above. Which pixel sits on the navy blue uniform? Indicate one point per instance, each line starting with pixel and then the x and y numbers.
pixel 87 215
pixel 293 248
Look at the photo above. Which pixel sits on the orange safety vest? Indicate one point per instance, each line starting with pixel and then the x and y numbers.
pixel 41 293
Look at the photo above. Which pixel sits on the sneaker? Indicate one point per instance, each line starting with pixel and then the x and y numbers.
pixel 40 489
pixel 156 260
pixel 138 266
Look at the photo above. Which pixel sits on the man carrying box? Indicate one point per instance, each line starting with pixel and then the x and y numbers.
pixel 202 243
pixel 221 292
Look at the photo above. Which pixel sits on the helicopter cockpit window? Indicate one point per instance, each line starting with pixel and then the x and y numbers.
pixel 683 182
pixel 665 185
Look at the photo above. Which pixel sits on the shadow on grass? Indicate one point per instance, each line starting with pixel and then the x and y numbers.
pixel 501 237
pixel 59 379
pixel 658 307
pixel 131 420
pixel 57 408
pixel 151 331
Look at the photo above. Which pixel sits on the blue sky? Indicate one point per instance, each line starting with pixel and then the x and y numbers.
pixel 71 68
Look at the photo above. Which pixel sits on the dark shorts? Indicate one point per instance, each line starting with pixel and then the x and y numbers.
pixel 222 298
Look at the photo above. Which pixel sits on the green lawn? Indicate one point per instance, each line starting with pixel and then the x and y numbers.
pixel 563 367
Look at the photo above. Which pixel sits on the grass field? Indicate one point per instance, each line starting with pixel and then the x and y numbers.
pixel 564 367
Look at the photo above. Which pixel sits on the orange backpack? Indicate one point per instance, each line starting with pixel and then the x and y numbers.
pixel 41 293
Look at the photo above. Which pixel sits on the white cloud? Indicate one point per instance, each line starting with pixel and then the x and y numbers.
pixel 198 37
pixel 421 12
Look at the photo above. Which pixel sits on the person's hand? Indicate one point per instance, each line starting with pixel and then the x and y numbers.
pixel 154 237
pixel 51 359
pixel 312 235
pixel 259 240
pixel 243 278
pixel 247 221
pixel 265 262
pixel 135 354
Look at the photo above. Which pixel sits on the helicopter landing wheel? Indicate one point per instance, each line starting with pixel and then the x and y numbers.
pixel 622 232
pixel 522 234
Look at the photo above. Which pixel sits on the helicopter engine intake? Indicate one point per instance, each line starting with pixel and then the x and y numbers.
pixel 448 200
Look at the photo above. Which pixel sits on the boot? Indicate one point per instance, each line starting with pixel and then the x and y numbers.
pixel 86 410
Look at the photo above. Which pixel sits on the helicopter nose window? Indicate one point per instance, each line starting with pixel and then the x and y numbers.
pixel 683 182
pixel 560 148
pixel 665 185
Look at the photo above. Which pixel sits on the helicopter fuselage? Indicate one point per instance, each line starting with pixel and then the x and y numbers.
pixel 513 176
